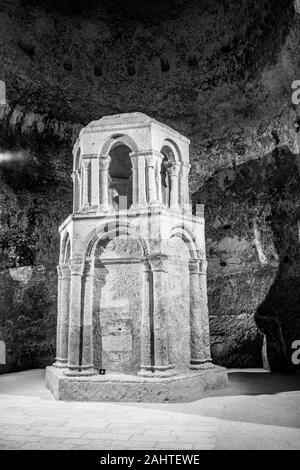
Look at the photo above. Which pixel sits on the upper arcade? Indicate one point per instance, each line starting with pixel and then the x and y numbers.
pixel 130 161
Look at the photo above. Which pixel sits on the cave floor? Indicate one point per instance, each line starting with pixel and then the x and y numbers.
pixel 258 410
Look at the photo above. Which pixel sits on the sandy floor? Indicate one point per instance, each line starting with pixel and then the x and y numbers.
pixel 257 410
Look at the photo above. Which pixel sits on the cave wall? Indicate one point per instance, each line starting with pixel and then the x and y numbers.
pixel 252 237
pixel 218 71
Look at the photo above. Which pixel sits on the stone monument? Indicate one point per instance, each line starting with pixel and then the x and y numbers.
pixel 132 319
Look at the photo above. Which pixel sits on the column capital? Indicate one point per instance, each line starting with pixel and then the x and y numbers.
pixel 194 266
pixel 86 163
pixel 76 266
pixel 158 263
pixel 146 264
pixel 172 167
pixel 104 161
pixel 88 268
pixel 74 175
pixel 63 271
pixel 203 266
pixel 134 159
pixel 150 160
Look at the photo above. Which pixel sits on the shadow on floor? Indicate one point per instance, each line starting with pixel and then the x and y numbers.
pixel 257 383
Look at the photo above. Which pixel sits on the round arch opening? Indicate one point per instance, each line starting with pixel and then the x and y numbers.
pixel 168 158
pixel 120 173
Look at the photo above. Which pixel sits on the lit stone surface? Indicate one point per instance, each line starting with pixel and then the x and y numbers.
pixel 132 273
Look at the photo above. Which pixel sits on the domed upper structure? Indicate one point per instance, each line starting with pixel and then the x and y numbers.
pixel 130 161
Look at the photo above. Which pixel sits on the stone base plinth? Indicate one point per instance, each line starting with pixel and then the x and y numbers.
pixel 185 387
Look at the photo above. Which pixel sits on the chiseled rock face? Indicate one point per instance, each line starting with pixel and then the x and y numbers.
pixel 28 316
pixel 252 237
pixel 219 72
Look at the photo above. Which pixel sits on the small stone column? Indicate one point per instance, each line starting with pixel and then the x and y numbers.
pixel 87 366
pixel 73 365
pixel 147 359
pixel 184 187
pixel 63 315
pixel 76 191
pixel 138 181
pixel 135 188
pixel 151 161
pixel 104 161
pixel 85 183
pixel 173 169
pixel 58 362
pixel 158 178
pixel 198 310
pixel 159 303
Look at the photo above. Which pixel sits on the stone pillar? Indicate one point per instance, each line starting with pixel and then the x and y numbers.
pixel 87 366
pixel 151 161
pixel 135 192
pixel 104 161
pixel 58 362
pixel 76 191
pixel 173 169
pixel 138 181
pixel 184 187
pixel 73 365
pixel 198 310
pixel 147 359
pixel 159 305
pixel 99 276
pixel 63 316
pixel 85 183
pixel 94 181
pixel 204 310
pixel 158 179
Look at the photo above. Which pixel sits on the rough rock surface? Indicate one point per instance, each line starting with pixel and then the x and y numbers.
pixel 252 214
pixel 218 71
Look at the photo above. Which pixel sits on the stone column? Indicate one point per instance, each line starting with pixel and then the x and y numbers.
pixel 135 189
pixel 158 179
pixel 58 362
pixel 73 365
pixel 147 359
pixel 85 183
pixel 104 161
pixel 87 366
pixel 94 181
pixel 159 304
pixel 76 191
pixel 184 187
pixel 198 310
pixel 173 169
pixel 151 161
pixel 99 275
pixel 63 316
pixel 138 181
pixel 204 310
